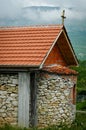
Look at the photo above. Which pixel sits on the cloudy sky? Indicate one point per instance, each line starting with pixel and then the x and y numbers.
pixel 34 12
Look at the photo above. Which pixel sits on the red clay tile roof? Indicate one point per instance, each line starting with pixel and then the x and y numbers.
pixel 26 45
pixel 60 70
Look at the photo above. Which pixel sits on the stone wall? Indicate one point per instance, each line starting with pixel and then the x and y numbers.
pixel 54 104
pixel 8 98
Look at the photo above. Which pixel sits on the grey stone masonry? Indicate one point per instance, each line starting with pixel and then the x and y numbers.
pixel 54 104
pixel 8 99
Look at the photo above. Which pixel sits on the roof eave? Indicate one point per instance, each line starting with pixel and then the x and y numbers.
pixel 68 74
pixel 19 65
pixel 16 68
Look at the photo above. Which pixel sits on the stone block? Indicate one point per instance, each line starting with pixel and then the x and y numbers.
pixel 13 95
pixel 15 103
pixel 3 92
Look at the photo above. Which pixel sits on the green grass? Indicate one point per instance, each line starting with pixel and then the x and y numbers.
pixel 78 124
pixel 81 106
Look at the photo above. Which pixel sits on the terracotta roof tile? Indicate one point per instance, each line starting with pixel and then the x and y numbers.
pixel 26 45
pixel 60 70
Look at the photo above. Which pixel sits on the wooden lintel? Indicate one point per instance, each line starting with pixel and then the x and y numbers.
pixel 15 70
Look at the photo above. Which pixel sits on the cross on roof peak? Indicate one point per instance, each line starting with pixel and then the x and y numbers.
pixel 63 16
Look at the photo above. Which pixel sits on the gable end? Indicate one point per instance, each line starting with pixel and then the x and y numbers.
pixel 65 50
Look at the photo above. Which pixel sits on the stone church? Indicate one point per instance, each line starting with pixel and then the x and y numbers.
pixel 37 86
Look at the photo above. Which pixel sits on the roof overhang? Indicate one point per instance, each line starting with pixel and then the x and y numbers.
pixel 70 46
pixel 18 68
pixel 60 70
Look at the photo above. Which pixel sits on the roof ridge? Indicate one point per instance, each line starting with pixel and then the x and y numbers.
pixel 31 26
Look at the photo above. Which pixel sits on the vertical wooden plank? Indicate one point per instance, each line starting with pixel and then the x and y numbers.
pixel 33 99
pixel 24 99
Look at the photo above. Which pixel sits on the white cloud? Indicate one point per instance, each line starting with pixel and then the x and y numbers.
pixel 41 16
pixel 75 14
pixel 49 15
pixel 26 3
pixel 13 9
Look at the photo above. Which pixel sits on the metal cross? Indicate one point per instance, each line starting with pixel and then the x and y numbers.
pixel 63 17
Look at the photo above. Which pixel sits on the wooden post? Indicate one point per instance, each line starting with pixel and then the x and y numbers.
pixel 24 99
pixel 33 100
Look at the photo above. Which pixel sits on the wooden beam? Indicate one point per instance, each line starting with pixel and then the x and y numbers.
pixel 24 99
pixel 17 69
